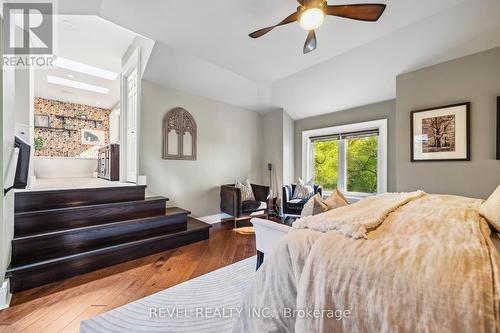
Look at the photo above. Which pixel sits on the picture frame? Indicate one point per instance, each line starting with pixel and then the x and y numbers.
pixel 42 120
pixel 498 128
pixel 93 137
pixel 441 133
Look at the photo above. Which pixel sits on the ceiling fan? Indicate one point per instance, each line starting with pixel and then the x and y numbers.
pixel 311 14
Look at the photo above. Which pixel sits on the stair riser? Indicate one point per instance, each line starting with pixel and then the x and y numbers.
pixel 26 224
pixel 42 275
pixel 29 201
pixel 26 251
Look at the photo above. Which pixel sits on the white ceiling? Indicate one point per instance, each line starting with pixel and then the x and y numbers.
pixel 203 48
pixel 90 40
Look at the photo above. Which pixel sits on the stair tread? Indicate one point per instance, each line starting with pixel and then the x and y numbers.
pixel 175 211
pixel 35 235
pixel 51 199
pixel 193 225
pixel 83 189
pixel 88 207
pixel 89 227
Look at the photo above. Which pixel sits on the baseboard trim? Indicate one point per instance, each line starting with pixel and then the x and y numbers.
pixel 5 295
pixel 213 219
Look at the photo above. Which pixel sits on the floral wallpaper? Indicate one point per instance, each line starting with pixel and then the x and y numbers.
pixel 59 126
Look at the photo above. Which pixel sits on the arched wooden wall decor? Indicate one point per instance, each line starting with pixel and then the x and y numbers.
pixel 179 135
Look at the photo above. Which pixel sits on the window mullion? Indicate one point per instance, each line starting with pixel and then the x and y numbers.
pixel 341 184
pixel 311 158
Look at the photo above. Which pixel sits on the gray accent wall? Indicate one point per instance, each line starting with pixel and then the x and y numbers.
pixel 474 79
pixel 382 110
pixel 230 141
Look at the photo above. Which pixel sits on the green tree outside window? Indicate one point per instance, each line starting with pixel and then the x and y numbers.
pixel 361 164
pixel 326 164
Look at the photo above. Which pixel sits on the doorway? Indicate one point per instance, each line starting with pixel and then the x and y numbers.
pixel 130 115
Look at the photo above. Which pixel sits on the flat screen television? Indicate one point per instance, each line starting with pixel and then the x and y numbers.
pixel 22 166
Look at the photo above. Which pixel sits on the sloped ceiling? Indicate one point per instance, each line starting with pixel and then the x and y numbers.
pixel 74 34
pixel 203 48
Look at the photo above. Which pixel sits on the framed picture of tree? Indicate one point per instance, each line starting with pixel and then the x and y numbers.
pixel 441 134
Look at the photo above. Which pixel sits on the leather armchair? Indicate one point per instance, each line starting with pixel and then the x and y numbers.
pixel 295 207
pixel 231 203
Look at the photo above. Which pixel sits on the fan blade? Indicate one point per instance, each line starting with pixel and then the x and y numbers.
pixel 292 18
pixel 370 12
pixel 310 44
pixel 301 2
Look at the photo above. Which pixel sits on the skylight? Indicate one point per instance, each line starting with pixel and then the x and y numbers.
pixel 76 84
pixel 84 68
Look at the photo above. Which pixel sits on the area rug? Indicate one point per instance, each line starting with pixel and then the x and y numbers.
pixel 208 303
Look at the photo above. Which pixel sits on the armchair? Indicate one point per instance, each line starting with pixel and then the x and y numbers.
pixel 295 206
pixel 231 203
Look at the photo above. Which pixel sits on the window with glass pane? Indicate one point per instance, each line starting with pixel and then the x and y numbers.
pixel 361 164
pixel 326 162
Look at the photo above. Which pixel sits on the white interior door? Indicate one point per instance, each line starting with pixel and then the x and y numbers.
pixel 130 115
pixel 131 142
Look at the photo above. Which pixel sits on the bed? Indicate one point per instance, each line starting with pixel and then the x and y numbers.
pixel 397 262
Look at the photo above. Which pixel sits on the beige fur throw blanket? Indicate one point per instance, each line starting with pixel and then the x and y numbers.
pixel 355 220
pixel 424 264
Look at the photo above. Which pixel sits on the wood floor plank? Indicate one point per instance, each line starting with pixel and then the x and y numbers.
pixel 77 309
pixel 74 325
pixel 44 316
pixel 60 306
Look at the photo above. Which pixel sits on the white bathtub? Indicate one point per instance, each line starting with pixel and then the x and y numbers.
pixel 64 167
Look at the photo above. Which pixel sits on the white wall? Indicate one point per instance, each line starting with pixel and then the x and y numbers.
pixel 272 150
pixel 145 46
pixel 64 167
pixel 288 149
pixel 278 149
pixel 114 126
pixel 230 140
pixel 17 110
pixel 7 106
pixel 24 102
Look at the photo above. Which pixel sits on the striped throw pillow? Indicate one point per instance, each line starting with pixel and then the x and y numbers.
pixel 303 191
pixel 246 190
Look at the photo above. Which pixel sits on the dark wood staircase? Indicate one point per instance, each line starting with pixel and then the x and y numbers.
pixel 63 233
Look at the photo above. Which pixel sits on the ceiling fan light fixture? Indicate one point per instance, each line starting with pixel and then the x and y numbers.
pixel 312 18
pixel 310 15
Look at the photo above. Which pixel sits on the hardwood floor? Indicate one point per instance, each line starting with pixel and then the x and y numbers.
pixel 60 306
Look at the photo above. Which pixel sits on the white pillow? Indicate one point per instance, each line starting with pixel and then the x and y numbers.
pixel 303 191
pixel 246 190
pixel 490 209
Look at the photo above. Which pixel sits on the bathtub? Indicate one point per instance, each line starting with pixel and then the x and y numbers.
pixel 64 167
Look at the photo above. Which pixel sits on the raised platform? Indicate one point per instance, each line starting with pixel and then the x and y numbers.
pixel 46 184
pixel 60 233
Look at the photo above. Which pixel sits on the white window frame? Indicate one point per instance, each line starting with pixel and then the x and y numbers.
pixel 308 154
